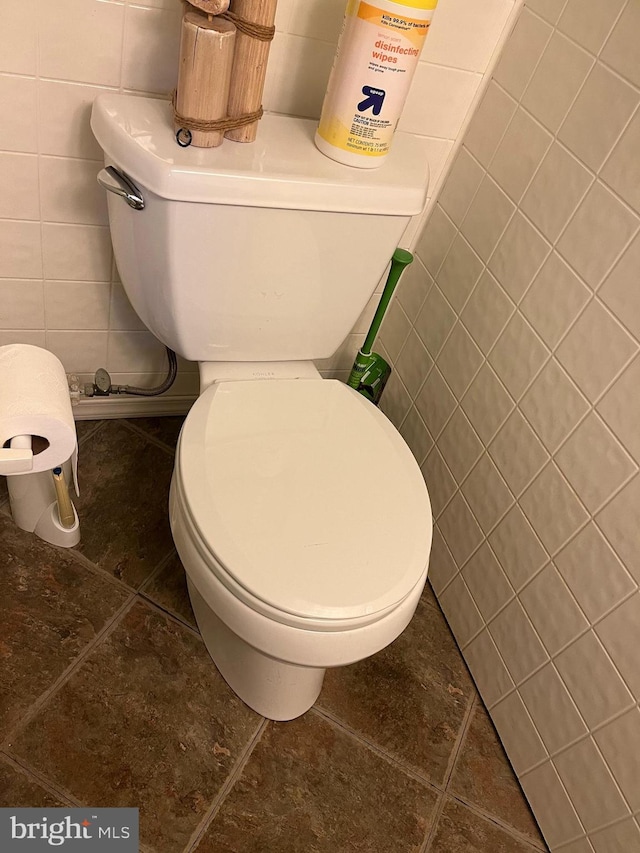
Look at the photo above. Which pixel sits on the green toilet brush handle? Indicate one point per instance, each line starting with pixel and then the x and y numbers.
pixel 401 258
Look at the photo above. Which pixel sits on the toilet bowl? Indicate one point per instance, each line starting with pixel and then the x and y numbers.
pixel 304 527
pixel 300 515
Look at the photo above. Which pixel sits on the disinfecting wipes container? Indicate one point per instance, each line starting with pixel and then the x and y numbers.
pixel 377 56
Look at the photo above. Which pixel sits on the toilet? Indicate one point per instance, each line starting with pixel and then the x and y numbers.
pixel 300 515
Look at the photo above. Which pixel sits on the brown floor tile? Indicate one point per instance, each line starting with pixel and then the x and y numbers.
pixel 164 429
pixel 461 831
pixel 152 726
pixel 410 698
pixel 483 776
pixel 308 786
pixel 85 428
pixel 4 494
pixel 51 608
pixel 168 588
pixel 123 504
pixel 18 791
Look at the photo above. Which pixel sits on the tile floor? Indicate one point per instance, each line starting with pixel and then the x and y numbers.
pixel 108 698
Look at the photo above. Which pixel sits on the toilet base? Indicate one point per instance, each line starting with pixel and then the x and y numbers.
pixel 275 689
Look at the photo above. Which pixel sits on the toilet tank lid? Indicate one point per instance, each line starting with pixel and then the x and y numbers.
pixel 282 168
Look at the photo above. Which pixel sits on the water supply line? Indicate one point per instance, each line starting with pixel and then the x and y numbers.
pixel 102 387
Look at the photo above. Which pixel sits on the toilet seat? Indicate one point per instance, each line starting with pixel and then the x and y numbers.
pixel 350 547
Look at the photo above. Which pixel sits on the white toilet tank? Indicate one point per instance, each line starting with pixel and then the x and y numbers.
pixel 266 251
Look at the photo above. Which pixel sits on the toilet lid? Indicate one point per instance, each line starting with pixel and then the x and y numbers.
pixel 306 496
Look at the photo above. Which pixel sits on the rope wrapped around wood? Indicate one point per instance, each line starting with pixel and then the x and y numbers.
pixel 255 31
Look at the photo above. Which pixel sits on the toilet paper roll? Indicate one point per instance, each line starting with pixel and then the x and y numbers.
pixel 34 400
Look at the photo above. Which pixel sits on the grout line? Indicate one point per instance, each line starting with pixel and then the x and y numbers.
pixel 491 818
pixel 462 736
pixel 396 762
pixel 25 769
pixel 152 605
pixel 77 662
pixel 437 814
pixel 227 786
pixel 143 434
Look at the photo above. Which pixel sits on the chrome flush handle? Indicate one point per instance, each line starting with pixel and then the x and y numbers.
pixel 123 186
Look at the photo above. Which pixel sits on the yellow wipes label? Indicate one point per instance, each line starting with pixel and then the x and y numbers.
pixel 377 56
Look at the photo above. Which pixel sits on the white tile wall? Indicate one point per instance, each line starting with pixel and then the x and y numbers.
pixel 53 221
pixel 532 252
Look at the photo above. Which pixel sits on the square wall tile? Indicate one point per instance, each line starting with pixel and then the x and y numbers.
pixel 620 634
pixel 297 75
pixel 519 154
pixel 552 508
pixel 556 81
pixel 96 31
pixel 459 272
pixel 76 252
pixel 122 317
pixel 437 235
pixel 555 192
pixel 517 642
pixel 21 304
pixel 442 567
pixel 584 362
pixel 449 93
pixel 414 363
pixel 620 522
pixel 619 291
pixel 439 480
pixel 518 734
pixel 459 445
pixel 553 610
pixel 489 122
pixel 517 548
pixel 395 330
pixel 623 837
pixel 590 785
pixel 599 213
pixel 435 321
pixel 69 191
pixel 553 405
pixel 79 352
pixel 487 668
pixel 619 743
pixel 151 49
pixel 486 492
pixel 77 304
pixel 622 170
pixel 486 403
pixel 518 256
pixel 584 563
pixel 65 110
pixel 396 401
pixel 549 801
pixel 416 435
pixel 548 9
pixel 322 22
pixel 552 710
pixel 518 355
pixel 19 98
pixel 487 217
pixel 486 582
pixel 463 35
pixel 461 185
pixel 593 681
pixel 19 43
pixel 522 53
pixel 413 288
pixel 460 529
pixel 604 93
pixel 589 22
pixel 487 311
pixel 459 360
pixel 461 612
pixel 620 408
pixel 20 249
pixel 594 462
pixel 556 284
pixel 141 349
pixel 435 402
pixel 620 50
pixel 19 181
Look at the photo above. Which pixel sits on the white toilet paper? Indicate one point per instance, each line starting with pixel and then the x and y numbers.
pixel 34 400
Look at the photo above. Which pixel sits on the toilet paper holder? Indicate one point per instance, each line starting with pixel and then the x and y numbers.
pixel 33 497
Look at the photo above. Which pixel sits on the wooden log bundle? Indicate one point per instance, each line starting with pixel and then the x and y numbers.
pixel 222 70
